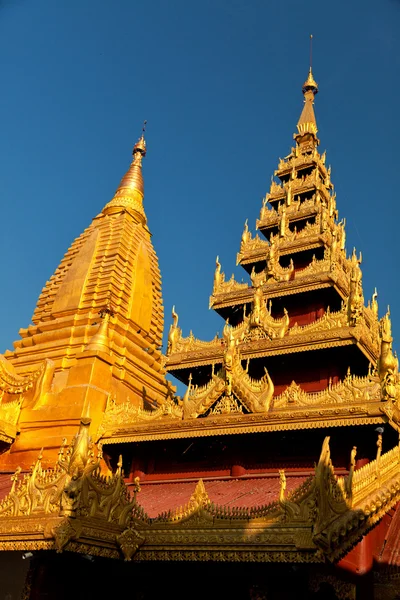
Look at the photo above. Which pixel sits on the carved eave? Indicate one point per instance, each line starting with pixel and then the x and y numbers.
pixel 314 340
pixel 303 161
pixel 270 219
pixel 260 253
pixel 299 284
pixel 279 192
pixel 320 520
pixel 290 419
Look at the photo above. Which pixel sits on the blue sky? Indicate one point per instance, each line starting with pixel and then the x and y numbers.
pixel 219 82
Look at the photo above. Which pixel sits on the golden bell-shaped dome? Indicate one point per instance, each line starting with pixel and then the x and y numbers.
pixel 310 84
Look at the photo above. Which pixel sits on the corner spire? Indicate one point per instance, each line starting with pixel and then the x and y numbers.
pixel 130 192
pixel 100 342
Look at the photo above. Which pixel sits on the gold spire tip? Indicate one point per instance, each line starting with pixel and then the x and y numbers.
pixel 310 84
pixel 140 145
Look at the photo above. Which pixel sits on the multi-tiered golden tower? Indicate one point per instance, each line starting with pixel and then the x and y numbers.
pixel 298 340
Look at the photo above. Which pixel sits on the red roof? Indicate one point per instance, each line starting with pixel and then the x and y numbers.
pixel 156 498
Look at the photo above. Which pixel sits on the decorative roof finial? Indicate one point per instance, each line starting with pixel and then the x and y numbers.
pixel 130 192
pixel 310 84
pixel 140 146
pixel 307 123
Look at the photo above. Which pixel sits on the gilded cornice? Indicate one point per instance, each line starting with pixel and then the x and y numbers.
pixel 299 185
pixel 314 281
pixel 353 401
pixel 270 217
pixel 325 335
pixel 300 160
pixel 231 389
pixel 87 513
pixel 323 233
pixel 238 424
pixel 258 336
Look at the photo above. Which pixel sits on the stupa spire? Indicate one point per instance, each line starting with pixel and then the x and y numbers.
pixel 307 123
pixel 130 192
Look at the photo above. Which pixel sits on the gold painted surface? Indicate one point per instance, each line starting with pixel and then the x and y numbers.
pixel 299 214
pixel 251 408
pixel 112 368
pixel 110 271
pixel 73 507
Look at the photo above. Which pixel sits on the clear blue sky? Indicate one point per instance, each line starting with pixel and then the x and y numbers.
pixel 219 82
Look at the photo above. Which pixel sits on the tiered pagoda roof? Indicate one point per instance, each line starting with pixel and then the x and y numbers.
pixel 300 349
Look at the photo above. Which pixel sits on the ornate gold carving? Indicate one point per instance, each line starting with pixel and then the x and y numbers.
pixel 14 384
pixel 388 364
pixel 270 217
pixel 274 269
pixel 326 322
pixel 356 298
pixel 255 394
pixel 74 488
pixel 116 415
pixel 251 245
pixel 352 389
pixel 65 532
pixel 9 415
pixel 221 286
pixel 261 317
pixel 348 506
pixel 289 419
pixel 130 541
pixel 198 401
pixel 17 389
pixel 175 333
pixel 226 406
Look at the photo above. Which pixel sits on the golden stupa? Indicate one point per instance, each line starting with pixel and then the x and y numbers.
pixel 96 333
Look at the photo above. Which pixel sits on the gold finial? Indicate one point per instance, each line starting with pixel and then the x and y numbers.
pixel 307 123
pixel 130 192
pixel 140 145
pixel 310 84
